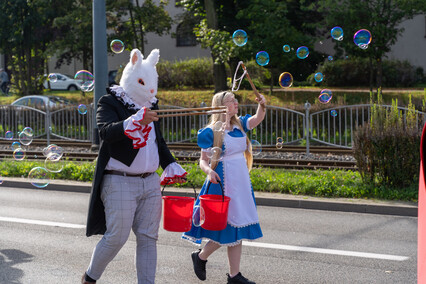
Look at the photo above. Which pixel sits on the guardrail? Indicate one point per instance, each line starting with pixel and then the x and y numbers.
pixel 292 126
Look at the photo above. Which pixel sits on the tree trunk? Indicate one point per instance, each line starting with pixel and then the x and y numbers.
pixel 379 73
pixel 141 32
pixel 219 70
pixel 132 21
pixel 370 63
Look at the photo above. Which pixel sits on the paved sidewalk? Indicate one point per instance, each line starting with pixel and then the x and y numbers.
pixel 262 198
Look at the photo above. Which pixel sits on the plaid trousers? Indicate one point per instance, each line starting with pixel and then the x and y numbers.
pixel 131 203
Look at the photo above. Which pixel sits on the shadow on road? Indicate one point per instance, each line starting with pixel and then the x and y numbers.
pixel 8 259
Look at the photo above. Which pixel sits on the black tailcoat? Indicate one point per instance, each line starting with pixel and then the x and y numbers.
pixel 114 143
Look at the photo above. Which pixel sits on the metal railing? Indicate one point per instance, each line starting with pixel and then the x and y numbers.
pixel 293 126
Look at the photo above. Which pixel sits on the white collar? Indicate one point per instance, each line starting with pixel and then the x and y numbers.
pixel 127 101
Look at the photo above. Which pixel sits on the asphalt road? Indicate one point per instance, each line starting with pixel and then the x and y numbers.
pixel 42 241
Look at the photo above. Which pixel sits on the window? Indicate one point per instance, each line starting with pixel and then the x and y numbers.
pixel 184 35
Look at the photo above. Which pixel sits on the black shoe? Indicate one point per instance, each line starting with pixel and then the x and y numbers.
pixel 199 265
pixel 239 278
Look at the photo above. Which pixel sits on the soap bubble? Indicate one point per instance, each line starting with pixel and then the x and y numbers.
pixel 216 152
pixel 330 58
pixel 325 96
pixel 198 216
pixel 19 154
pixel 25 139
pixel 53 149
pixel 39 177
pixel 256 147
pixel 362 38
pixel 53 163
pixel 8 135
pixel 239 37
pixel 219 126
pixel 15 145
pixel 28 130
pixel 52 77
pixel 333 113
pixel 262 58
pixel 286 48
pixel 87 80
pixel 302 52
pixel 279 145
pixel 337 33
pixel 82 109
pixel 318 77
pixel 285 80
pixel 117 46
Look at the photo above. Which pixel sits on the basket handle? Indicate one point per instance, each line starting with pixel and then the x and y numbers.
pixel 193 187
pixel 221 187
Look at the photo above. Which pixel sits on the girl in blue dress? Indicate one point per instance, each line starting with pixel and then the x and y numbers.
pixel 230 167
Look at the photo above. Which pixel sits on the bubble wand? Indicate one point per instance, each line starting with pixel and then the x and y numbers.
pixel 245 73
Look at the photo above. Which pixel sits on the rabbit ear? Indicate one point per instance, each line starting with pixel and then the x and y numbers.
pixel 153 57
pixel 136 56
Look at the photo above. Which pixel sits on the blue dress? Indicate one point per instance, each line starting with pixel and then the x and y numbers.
pixel 243 221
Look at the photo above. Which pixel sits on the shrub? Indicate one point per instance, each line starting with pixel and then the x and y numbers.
pixel 356 72
pixel 387 148
pixel 198 73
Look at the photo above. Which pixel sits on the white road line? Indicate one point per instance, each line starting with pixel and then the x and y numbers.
pixel 44 223
pixel 328 251
pixel 249 244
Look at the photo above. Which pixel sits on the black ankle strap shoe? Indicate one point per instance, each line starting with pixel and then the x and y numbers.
pixel 239 278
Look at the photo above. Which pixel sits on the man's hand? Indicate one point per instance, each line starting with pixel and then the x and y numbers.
pixel 150 116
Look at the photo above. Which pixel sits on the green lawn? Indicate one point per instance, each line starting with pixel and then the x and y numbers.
pixel 292 97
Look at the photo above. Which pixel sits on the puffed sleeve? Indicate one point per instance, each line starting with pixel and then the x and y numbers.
pixel 244 122
pixel 205 138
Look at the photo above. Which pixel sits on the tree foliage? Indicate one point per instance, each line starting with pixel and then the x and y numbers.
pixel 25 33
pixel 381 17
pixel 131 22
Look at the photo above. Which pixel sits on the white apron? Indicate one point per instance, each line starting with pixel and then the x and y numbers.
pixel 242 209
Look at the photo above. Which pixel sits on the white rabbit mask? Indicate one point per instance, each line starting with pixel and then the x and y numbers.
pixel 140 77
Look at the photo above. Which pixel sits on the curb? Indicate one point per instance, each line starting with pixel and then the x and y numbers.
pixel 408 209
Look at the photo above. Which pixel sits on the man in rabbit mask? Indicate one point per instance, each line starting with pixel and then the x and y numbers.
pixel 126 192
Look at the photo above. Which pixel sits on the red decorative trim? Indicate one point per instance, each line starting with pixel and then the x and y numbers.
pixel 169 180
pixel 137 141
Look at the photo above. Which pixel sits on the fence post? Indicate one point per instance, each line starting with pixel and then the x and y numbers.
pixel 307 129
pixel 47 125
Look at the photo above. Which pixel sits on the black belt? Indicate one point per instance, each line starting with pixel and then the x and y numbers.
pixel 118 173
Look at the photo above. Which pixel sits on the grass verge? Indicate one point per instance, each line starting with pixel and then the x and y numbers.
pixel 320 183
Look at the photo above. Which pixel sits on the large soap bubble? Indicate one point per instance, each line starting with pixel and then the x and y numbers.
pixel 362 38
pixel 239 37
pixel 325 96
pixel 87 80
pixel 285 80
pixel 337 33
pixel 302 52
pixel 262 58
pixel 198 216
pixel 256 147
pixel 39 177
pixel 117 46
pixel 318 77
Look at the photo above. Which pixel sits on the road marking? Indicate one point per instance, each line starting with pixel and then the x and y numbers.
pixel 328 251
pixel 44 223
pixel 249 244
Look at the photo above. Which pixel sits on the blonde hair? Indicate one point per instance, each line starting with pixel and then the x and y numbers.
pixel 218 100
